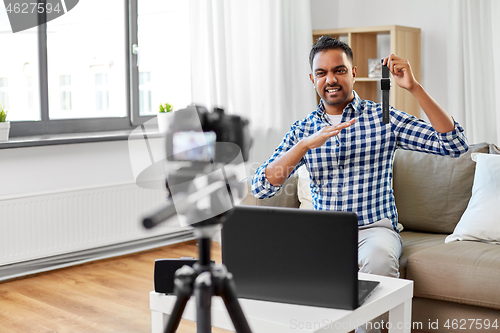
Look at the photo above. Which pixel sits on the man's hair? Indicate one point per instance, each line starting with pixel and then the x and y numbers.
pixel 328 43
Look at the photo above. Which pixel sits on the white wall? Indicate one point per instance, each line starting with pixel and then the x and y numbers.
pixel 324 14
pixel 429 15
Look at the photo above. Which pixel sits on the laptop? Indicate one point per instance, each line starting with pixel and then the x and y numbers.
pixel 290 255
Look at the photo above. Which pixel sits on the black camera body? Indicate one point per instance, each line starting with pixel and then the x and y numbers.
pixel 199 136
pixel 205 148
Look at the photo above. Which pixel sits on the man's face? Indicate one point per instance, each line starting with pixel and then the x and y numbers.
pixel 333 77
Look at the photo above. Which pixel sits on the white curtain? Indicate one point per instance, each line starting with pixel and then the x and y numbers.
pixel 250 57
pixel 474 67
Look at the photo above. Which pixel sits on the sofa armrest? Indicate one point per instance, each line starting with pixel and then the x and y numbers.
pixel 286 197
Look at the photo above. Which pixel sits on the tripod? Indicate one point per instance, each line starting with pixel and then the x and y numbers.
pixel 205 280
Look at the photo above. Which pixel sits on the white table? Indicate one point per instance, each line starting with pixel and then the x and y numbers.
pixel 393 295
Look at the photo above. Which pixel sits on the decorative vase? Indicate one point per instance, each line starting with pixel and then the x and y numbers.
pixel 164 121
pixel 4 131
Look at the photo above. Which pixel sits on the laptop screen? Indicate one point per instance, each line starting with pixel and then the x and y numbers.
pixel 292 255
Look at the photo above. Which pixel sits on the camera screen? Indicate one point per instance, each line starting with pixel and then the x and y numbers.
pixel 194 146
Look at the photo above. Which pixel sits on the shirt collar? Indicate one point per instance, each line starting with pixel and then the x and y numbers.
pixel 352 110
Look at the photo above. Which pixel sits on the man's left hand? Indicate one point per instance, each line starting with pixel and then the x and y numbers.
pixel 401 70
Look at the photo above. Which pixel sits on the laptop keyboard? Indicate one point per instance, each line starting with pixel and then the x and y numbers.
pixel 361 293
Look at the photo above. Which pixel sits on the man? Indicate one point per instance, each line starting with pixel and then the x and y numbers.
pixel 349 152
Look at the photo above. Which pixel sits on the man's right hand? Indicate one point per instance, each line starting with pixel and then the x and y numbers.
pixel 278 170
pixel 319 138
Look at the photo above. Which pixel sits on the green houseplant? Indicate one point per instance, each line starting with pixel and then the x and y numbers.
pixel 4 124
pixel 165 112
pixel 166 107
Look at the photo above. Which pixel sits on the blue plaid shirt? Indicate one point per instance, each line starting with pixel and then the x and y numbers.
pixel 353 170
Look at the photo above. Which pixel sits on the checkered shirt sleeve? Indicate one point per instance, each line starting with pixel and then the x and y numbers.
pixel 261 187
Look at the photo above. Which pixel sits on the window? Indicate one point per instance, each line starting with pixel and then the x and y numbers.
pixel 85 44
pixel 4 92
pixel 65 93
pixel 19 73
pixel 145 93
pixel 164 62
pixel 101 92
pixel 31 93
pixel 96 70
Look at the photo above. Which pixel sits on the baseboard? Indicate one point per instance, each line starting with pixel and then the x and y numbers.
pixel 21 269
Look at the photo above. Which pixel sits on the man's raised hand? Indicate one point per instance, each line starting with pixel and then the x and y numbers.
pixel 401 70
pixel 319 138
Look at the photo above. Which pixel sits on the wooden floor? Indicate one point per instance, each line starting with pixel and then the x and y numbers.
pixel 105 296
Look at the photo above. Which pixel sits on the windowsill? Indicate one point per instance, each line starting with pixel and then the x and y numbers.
pixel 69 138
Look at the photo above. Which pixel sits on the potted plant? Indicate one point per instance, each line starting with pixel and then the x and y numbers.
pixel 4 125
pixel 164 114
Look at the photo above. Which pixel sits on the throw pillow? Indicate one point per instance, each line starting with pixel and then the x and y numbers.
pixel 481 219
pixel 494 149
pixel 304 189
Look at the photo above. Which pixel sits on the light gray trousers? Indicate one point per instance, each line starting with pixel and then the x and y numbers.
pixel 379 249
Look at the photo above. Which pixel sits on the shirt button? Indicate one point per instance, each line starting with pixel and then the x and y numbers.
pixel 338 144
pixel 341 167
pixel 339 193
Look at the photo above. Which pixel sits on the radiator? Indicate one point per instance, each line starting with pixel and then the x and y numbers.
pixel 51 224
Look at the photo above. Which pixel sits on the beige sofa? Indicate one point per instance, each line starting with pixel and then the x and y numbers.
pixel 456 284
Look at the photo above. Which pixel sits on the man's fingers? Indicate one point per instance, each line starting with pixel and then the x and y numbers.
pixel 347 123
pixel 328 133
pixel 319 138
pixel 395 64
pixel 334 130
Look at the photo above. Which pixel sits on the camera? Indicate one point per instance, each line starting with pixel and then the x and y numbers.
pixel 204 166
pixel 198 136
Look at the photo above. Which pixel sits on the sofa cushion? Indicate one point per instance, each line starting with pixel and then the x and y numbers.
pixel 432 191
pixel 414 242
pixel 462 272
pixel 432 316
